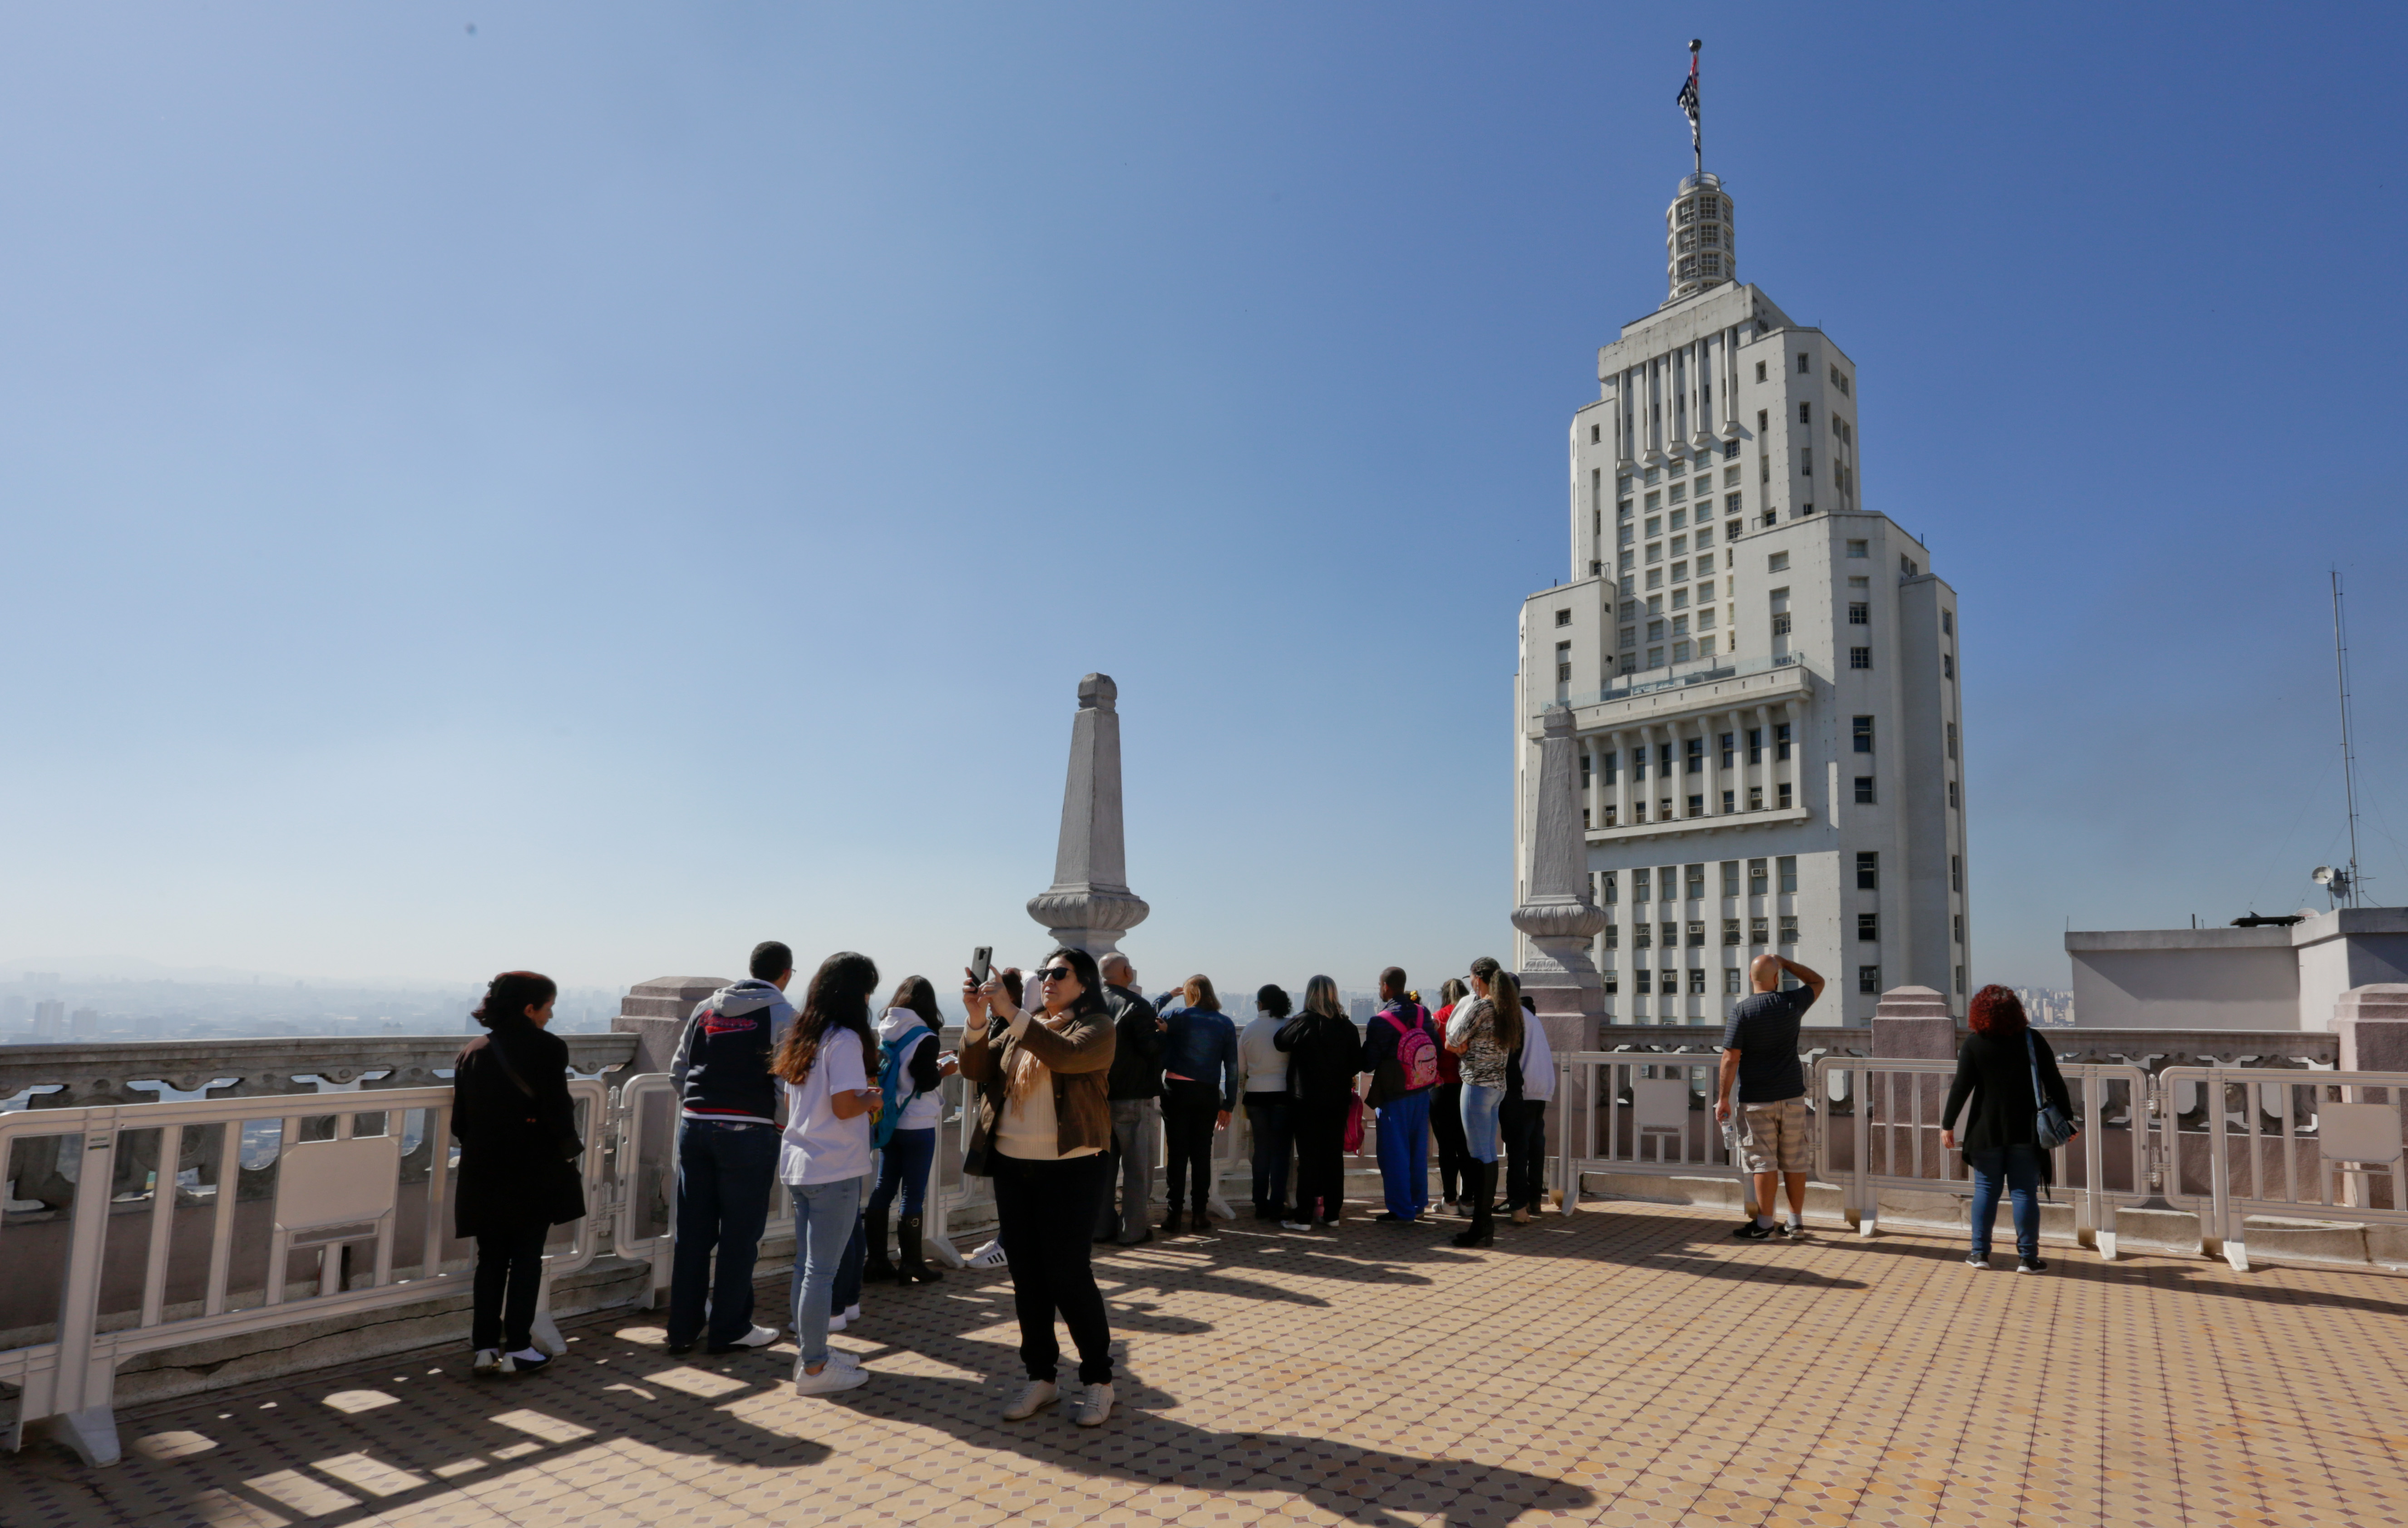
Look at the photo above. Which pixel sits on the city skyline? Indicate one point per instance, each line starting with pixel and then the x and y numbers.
pixel 580 494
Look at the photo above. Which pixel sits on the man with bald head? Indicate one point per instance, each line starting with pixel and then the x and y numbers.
pixel 1135 1087
pixel 1760 1055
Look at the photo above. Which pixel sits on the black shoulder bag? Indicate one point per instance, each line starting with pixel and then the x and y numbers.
pixel 2050 1124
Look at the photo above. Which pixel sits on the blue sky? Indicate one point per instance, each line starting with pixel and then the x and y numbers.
pixel 603 488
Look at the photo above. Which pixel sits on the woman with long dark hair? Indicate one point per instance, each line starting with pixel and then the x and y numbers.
pixel 1485 1032
pixel 1199 1088
pixel 909 1078
pixel 1446 1104
pixel 1324 1052
pixel 2003 1070
pixel 1263 1068
pixel 824 1066
pixel 519 1154
pixel 1043 1121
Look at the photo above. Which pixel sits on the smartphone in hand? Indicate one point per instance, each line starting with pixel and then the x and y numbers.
pixel 982 959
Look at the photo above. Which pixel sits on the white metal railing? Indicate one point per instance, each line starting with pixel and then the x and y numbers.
pixel 2335 1140
pixel 332 1193
pixel 1891 1138
pixel 1644 1121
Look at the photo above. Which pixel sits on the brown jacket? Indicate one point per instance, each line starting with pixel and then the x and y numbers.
pixel 1078 1059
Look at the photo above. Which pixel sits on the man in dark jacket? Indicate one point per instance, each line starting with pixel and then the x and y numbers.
pixel 1135 1089
pixel 1404 1108
pixel 727 1152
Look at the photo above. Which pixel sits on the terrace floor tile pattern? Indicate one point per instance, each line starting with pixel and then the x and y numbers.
pixel 1633 1365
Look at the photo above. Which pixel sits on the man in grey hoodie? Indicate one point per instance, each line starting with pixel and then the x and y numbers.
pixel 727 1152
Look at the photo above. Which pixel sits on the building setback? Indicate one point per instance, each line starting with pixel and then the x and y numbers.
pixel 1763 673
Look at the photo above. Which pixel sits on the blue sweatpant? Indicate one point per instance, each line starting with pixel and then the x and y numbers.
pixel 1404 1154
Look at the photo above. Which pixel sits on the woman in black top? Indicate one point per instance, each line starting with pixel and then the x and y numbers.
pixel 1994 1070
pixel 518 1153
pixel 1324 1052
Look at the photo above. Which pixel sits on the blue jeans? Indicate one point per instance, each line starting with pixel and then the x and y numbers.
pixel 724 1174
pixel 1267 1119
pixel 1404 1154
pixel 828 1217
pixel 2015 1168
pixel 904 1165
pixel 847 1291
pixel 1480 1106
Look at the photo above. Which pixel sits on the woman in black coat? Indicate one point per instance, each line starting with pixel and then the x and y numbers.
pixel 1994 1072
pixel 1324 1052
pixel 519 1156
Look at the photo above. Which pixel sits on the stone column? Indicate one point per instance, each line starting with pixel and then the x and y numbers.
pixel 1089 906
pixel 655 1012
pixel 2373 1023
pixel 1557 913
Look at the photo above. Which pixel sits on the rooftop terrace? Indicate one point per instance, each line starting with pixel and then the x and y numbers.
pixel 1631 1363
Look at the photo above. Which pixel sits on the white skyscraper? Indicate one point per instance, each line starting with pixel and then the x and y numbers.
pixel 1762 671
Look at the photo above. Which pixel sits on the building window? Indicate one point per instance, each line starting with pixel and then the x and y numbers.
pixel 1805 413
pixel 1696 806
pixel 1755 746
pixel 1839 381
pixel 1952 795
pixel 1655 631
pixel 1563 662
pixel 1864 790
pixel 1609 814
pixel 1952 740
pixel 1593 436
pixel 1697 936
pixel 1730 877
pixel 1864 730
pixel 1759 930
pixel 1730 452
pixel 1781 743
pixel 1867 869
pixel 1868 927
pixel 1957 872
pixel 1947 665
pixel 1756 798
pixel 1696 877
pixel 1585 824
pixel 1731 981
pixel 1642 936
pixel 1730 802
pixel 1787 867
pixel 1869 980
pixel 1948 622
pixel 1805 365
pixel 1859 612
pixel 1756 878
pixel 1860 548
pixel 1642 981
pixel 1805 461
pixel 1671 931
pixel 1728 746
pixel 1609 885
pixel 1789 929
pixel 1730 931
pixel 1696 751
pixel 1655 552
pixel 1860 658
pixel 1777 563
pixel 1759 371
pixel 1563 617
pixel 1957 922
pixel 1697 981
pixel 1762 418
pixel 1629 637
pixel 1785 802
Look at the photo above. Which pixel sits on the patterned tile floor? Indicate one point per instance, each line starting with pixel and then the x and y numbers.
pixel 1633 1365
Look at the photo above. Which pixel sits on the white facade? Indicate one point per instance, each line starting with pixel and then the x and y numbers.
pixel 2272 976
pixel 1763 673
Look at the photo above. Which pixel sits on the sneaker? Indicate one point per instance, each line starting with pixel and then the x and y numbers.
pixel 760 1336
pixel 832 1377
pixel 1750 1232
pixel 489 1361
pixel 2031 1265
pixel 1039 1394
pixel 1792 1234
pixel 1296 1225
pixel 838 1321
pixel 853 1312
pixel 1094 1406
pixel 525 1361
pixel 1978 1260
pixel 988 1256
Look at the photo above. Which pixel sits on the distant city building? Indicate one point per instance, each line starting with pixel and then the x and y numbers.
pixel 50 1019
pixel 1362 1008
pixel 1762 671
pixel 86 1023
pixel 2046 1005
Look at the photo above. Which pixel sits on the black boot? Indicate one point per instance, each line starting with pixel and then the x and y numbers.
pixel 1170 1222
pixel 1483 1229
pixel 911 1255
pixel 875 1269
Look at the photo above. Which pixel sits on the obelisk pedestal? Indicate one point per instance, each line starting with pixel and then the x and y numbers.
pixel 1560 977
pixel 1089 906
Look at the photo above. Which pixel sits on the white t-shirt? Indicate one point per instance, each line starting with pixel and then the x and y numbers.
pixel 818 1147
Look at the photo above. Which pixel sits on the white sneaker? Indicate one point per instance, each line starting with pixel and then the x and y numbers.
pixel 1094 1406
pixel 836 1322
pixel 853 1312
pixel 845 1356
pixel 760 1336
pixel 489 1361
pixel 988 1256
pixel 832 1377
pixel 1039 1394
pixel 1296 1225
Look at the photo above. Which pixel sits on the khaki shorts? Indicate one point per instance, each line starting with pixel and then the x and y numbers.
pixel 1773 1137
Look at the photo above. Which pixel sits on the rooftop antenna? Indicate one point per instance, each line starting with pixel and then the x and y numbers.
pixel 2346 891
pixel 1689 105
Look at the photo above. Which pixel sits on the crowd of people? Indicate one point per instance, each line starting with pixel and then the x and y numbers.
pixel 1071 1075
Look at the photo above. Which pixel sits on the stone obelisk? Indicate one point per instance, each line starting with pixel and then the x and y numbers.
pixel 1089 906
pixel 1560 977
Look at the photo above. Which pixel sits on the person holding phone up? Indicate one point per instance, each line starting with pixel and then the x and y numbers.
pixel 1043 1124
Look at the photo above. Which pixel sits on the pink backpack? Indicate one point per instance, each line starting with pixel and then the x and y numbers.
pixel 1416 1054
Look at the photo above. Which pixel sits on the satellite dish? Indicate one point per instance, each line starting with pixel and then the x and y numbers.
pixel 2323 875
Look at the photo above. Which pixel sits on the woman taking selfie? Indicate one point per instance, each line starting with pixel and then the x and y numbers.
pixel 519 1151
pixel 823 1065
pixel 1043 1121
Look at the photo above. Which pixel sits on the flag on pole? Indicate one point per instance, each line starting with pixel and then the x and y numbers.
pixel 1688 99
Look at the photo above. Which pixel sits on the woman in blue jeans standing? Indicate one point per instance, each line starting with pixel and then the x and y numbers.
pixel 824 1063
pixel 910 1072
pixel 1484 1029
pixel 1994 1073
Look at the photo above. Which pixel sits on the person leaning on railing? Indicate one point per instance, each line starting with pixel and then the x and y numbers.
pixel 1994 1070
pixel 519 1151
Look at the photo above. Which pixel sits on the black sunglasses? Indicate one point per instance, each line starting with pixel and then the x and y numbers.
pixel 1055 973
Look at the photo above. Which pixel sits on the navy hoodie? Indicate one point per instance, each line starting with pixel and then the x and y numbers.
pixel 722 1071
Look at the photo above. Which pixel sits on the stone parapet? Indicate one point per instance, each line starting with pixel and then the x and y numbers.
pixel 2371 1025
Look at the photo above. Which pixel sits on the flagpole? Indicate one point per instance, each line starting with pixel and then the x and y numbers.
pixel 1696 128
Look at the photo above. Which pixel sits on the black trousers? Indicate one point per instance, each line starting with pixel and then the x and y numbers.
pixel 1523 1127
pixel 1454 1151
pixel 509 1279
pixel 1047 1223
pixel 1320 1157
pixel 1189 1112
